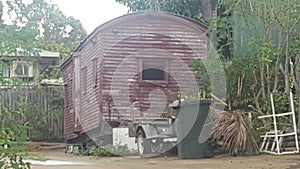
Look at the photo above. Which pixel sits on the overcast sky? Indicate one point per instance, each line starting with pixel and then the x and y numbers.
pixel 91 13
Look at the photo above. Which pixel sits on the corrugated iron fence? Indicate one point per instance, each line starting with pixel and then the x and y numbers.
pixel 40 107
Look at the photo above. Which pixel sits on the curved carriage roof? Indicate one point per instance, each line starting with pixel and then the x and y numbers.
pixel 137 15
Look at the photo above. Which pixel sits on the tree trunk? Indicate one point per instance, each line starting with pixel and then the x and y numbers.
pixel 209 11
pixel 297 87
pixel 286 67
pixel 262 80
pixel 276 80
pixel 287 52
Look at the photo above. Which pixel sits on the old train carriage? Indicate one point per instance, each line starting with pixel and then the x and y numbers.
pixel 127 68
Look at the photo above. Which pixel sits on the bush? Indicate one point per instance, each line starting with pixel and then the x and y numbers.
pixel 12 149
pixel 107 151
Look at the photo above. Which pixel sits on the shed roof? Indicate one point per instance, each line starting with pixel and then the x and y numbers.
pixel 132 16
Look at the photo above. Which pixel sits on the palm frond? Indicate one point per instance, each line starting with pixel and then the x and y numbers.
pixel 233 134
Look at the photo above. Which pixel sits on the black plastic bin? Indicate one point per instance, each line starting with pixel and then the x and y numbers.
pixel 191 116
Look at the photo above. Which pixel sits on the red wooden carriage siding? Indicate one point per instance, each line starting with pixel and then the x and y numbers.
pixel 100 66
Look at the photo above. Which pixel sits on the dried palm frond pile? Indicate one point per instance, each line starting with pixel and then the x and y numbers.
pixel 233 134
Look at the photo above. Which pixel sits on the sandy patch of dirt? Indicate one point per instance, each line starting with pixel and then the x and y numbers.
pixel 221 162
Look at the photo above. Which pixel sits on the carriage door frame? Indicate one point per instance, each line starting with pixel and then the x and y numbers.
pixel 77 90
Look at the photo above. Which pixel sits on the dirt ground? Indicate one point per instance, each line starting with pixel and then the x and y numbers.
pixel 220 162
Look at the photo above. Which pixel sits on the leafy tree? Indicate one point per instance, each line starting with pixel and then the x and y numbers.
pixel 38 25
pixel 202 10
pixel 54 25
pixel 24 28
pixel 272 33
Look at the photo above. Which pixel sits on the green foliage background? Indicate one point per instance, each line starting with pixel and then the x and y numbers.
pixel 26 28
